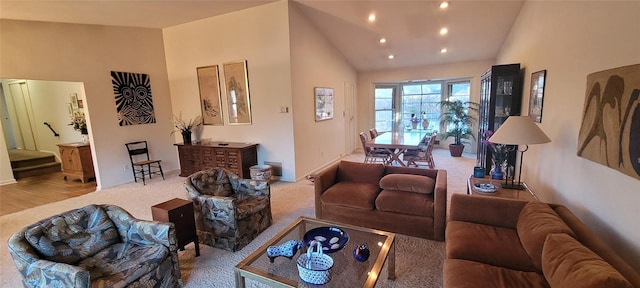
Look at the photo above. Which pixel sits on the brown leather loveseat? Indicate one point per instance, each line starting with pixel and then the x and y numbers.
pixel 494 242
pixel 410 201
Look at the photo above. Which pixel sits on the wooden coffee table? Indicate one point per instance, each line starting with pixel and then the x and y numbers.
pixel 346 271
pixel 526 194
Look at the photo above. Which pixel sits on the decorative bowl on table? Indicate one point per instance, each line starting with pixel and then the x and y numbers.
pixel 331 238
pixel 485 187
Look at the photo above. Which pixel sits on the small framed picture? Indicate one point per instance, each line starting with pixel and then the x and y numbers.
pixel 69 109
pixel 537 95
pixel 73 99
pixel 80 104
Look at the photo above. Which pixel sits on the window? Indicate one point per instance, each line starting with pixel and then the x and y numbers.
pixel 419 99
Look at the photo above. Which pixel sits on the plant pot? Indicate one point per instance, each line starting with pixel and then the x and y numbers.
pixel 186 137
pixel 456 150
pixel 414 125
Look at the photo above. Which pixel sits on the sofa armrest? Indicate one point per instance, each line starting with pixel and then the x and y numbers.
pixel 38 272
pixel 141 232
pixel 440 205
pixel 322 181
pixel 485 210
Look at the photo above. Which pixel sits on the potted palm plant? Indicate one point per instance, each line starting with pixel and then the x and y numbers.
pixel 456 121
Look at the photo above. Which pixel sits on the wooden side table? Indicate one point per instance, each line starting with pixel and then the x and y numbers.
pixel 179 212
pixel 76 161
pixel 526 194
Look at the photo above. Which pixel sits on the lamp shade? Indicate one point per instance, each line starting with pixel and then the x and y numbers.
pixel 519 130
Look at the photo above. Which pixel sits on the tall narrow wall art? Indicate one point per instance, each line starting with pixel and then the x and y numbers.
pixel 610 131
pixel 134 104
pixel 237 85
pixel 209 84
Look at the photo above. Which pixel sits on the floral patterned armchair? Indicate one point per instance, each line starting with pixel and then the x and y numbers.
pixel 229 211
pixel 96 246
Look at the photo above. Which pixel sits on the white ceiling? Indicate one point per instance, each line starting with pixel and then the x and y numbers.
pixel 477 28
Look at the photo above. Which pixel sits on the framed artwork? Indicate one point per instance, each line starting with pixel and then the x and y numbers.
pixel 323 103
pixel 73 99
pixel 209 85
pixel 537 95
pixel 134 104
pixel 237 89
pixel 611 120
pixel 80 104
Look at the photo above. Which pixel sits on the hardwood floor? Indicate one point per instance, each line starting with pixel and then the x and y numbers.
pixel 38 190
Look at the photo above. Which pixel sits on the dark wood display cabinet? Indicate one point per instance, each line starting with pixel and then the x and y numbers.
pixel 180 213
pixel 500 97
pixel 236 157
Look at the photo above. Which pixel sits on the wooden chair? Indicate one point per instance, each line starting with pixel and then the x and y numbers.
pixel 373 132
pixel 423 154
pixel 141 164
pixel 371 155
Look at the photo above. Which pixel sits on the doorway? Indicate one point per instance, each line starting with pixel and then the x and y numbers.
pixel 35 119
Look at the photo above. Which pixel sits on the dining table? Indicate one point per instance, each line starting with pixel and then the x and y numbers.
pixel 396 143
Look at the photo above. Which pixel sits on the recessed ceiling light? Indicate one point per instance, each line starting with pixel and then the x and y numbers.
pixel 443 50
pixel 372 17
pixel 444 31
pixel 383 40
pixel 391 56
pixel 444 5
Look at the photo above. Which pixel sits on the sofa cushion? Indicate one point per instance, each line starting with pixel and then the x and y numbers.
pixel 73 235
pixel 350 194
pixel 493 245
pixel 408 182
pixel 464 273
pixel 360 172
pixel 568 263
pixel 535 222
pixel 122 263
pixel 213 182
pixel 405 203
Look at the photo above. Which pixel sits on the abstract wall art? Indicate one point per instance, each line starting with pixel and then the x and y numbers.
pixel 209 84
pixel 134 104
pixel 237 86
pixel 610 131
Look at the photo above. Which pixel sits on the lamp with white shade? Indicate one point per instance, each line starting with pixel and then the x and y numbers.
pixel 518 130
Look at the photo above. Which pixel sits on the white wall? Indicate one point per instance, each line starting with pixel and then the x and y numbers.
pixel 366 81
pixel 316 63
pixel 598 35
pixel 87 53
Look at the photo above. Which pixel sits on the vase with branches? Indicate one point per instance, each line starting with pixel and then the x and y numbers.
pixel 186 127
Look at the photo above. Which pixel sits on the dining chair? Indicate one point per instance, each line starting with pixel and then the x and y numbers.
pixel 373 132
pixel 372 155
pixel 141 164
pixel 423 154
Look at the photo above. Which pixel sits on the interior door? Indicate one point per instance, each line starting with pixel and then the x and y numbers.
pixel 349 118
pixel 21 112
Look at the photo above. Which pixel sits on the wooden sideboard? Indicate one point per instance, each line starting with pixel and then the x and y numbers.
pixel 76 161
pixel 236 157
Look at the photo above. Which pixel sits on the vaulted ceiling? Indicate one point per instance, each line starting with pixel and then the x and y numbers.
pixel 476 28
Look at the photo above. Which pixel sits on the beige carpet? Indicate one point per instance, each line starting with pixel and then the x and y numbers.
pixel 418 261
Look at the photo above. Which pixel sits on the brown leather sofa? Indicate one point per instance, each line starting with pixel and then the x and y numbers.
pixel 495 242
pixel 403 200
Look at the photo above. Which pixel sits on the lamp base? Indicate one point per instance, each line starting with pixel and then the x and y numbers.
pixel 515 186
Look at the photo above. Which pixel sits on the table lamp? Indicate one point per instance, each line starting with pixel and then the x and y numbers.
pixel 518 130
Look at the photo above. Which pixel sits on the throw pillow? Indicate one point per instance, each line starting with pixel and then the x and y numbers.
pixel 535 222
pixel 408 183
pixel 73 235
pixel 568 263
